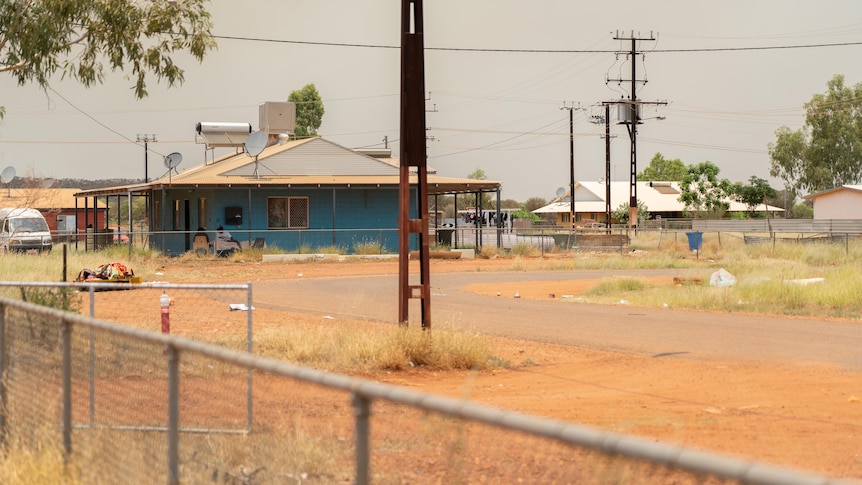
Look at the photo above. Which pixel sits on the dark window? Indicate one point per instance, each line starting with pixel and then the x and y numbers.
pixel 287 213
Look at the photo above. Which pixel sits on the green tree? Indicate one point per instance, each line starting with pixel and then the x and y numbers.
pixel 621 213
pixel 470 199
pixel 81 38
pixel 534 203
pixel 825 153
pixel 803 210
pixel 523 213
pixel 309 110
pixel 663 169
pixel 703 193
pixel 785 199
pixel 477 174
pixel 753 194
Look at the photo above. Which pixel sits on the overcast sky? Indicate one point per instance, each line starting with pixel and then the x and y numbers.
pixel 498 73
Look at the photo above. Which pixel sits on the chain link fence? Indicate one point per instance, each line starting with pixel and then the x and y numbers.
pixel 128 404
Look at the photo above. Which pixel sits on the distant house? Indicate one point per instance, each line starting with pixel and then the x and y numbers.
pixel 60 208
pixel 843 202
pixel 296 194
pixel 660 198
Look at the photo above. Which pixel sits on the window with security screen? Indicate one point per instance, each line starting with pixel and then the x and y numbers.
pixel 287 212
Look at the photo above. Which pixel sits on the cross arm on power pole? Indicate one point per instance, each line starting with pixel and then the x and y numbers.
pixel 146 139
pixel 571 107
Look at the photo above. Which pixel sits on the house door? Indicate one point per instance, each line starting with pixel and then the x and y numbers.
pixel 187 223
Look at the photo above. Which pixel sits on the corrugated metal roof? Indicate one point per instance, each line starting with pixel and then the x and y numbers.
pixel 39 198
pixel 315 156
pixel 851 187
pixel 311 162
pixel 660 197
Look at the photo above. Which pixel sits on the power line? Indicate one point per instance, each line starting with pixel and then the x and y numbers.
pixel 90 116
pixel 496 142
pixel 541 51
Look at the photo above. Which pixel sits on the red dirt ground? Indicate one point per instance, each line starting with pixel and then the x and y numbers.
pixel 796 415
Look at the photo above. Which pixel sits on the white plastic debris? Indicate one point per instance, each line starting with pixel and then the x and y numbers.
pixel 806 281
pixel 517 295
pixel 722 278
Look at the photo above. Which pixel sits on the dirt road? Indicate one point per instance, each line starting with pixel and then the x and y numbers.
pixel 783 391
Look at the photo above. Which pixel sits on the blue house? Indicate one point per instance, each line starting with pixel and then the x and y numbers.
pixel 296 195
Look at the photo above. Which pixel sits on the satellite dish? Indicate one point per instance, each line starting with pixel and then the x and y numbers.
pixel 256 142
pixel 47 183
pixel 173 160
pixel 7 175
pixel 560 191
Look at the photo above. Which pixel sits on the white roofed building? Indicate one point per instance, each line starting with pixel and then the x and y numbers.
pixel 660 198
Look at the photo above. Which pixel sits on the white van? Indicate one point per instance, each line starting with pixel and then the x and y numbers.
pixel 24 230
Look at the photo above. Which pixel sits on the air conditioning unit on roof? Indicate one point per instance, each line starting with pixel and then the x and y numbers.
pixel 277 117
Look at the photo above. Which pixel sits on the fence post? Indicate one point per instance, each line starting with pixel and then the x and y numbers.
pixel 173 415
pixel 67 391
pixel 92 291
pixel 3 390
pixel 92 359
pixel 250 337
pixel 362 411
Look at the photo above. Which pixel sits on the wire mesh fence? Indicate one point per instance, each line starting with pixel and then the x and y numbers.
pixel 122 404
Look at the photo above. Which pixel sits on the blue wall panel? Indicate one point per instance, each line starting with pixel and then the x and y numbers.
pixel 339 217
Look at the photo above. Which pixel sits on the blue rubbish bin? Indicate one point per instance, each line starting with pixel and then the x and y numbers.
pixel 695 240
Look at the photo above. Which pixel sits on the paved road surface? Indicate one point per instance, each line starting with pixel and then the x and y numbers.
pixel 658 332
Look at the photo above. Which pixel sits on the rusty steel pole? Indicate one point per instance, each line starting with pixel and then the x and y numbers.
pixel 413 154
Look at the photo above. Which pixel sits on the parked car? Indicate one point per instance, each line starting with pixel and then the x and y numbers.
pixel 24 230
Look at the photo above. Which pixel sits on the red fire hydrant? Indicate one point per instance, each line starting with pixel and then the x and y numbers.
pixel 165 302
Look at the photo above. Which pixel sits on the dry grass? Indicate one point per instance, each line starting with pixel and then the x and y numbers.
pixel 373 348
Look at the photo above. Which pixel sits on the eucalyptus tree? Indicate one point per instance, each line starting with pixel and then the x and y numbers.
pixel 827 151
pixel 81 39
pixel 663 169
pixel 309 110
pixel 703 193
pixel 753 194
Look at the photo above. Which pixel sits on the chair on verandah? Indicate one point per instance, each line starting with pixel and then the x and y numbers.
pixel 201 245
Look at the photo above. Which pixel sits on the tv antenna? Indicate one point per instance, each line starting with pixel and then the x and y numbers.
pixel 171 163
pixel 254 145
pixel 6 177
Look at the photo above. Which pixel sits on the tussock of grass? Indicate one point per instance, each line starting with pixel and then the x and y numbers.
pixel 617 285
pixel 525 250
pixel 371 349
pixel 366 247
pixel 488 252
pixel 332 249
pixel 36 459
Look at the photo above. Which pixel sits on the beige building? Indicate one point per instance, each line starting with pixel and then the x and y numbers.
pixel 843 202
